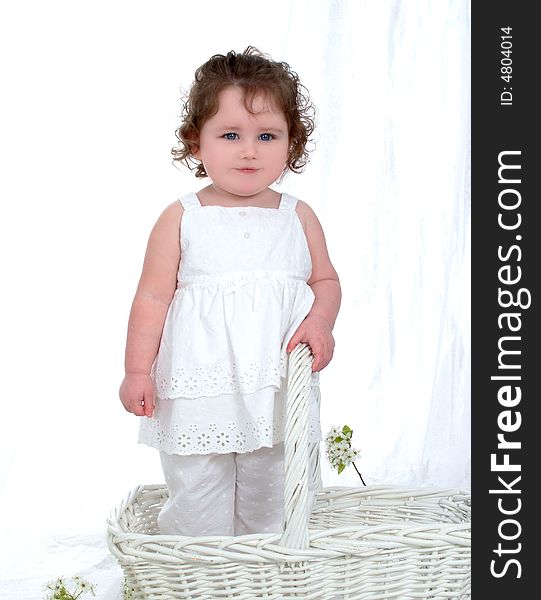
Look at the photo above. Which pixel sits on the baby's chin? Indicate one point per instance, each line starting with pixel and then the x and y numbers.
pixel 244 192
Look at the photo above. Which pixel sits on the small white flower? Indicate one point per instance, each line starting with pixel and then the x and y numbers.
pixel 338 448
pixel 60 588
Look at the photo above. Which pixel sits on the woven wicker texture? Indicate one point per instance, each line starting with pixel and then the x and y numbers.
pixel 374 542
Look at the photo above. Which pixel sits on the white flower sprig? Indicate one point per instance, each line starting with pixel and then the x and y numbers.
pixel 58 589
pixel 338 448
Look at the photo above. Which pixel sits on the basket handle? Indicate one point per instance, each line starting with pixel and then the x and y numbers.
pixel 299 381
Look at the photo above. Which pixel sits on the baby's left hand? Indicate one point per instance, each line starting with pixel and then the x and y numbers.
pixel 316 332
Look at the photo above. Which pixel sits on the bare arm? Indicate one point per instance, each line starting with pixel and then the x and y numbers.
pixel 149 309
pixel 324 279
pixel 316 329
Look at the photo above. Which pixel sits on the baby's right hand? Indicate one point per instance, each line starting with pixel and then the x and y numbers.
pixel 137 394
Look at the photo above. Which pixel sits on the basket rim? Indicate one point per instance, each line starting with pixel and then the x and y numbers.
pixel 391 491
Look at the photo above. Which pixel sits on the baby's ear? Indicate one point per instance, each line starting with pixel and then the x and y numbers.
pixel 195 150
pixel 191 139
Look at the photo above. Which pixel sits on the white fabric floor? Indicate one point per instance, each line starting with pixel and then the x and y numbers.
pixel 26 569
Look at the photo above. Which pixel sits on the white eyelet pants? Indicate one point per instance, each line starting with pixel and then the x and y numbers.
pixel 226 494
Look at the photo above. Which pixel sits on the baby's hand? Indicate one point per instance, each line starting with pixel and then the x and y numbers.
pixel 316 332
pixel 137 394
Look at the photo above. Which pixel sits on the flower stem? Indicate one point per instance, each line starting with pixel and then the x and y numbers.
pixel 358 473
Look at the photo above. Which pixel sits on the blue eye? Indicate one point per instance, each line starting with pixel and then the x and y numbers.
pixel 266 137
pixel 230 136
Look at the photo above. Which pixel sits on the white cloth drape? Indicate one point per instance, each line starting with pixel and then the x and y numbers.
pixel 391 176
pixel 86 170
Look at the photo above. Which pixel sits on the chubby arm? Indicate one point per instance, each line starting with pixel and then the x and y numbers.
pixel 149 309
pixel 316 329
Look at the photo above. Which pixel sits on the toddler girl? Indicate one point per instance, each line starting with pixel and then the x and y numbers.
pixel 234 277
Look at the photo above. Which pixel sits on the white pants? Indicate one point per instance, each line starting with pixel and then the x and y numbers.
pixel 226 494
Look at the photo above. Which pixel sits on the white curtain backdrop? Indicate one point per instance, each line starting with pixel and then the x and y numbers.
pixel 91 99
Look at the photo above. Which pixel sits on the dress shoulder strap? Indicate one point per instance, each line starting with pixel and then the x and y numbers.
pixel 288 202
pixel 190 200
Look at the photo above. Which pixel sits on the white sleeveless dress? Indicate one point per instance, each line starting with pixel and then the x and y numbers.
pixel 241 294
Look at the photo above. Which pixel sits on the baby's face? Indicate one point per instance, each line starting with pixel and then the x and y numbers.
pixel 243 153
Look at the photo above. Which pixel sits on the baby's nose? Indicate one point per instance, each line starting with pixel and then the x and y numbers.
pixel 248 149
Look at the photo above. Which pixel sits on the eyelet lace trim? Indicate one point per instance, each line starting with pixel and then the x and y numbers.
pixel 217 380
pixel 214 431
pixel 234 437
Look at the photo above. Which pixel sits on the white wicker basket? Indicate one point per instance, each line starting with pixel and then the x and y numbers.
pixel 373 543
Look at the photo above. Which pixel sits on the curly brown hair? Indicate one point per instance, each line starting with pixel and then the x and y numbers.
pixel 255 73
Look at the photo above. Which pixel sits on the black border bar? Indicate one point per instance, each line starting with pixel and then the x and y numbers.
pixel 506 258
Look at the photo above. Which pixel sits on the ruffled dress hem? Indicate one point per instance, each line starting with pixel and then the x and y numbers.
pixel 225 423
